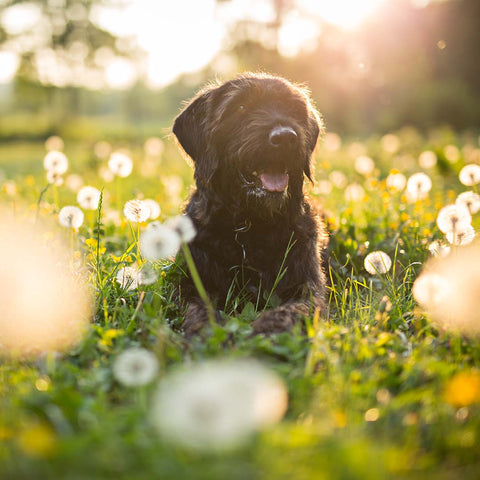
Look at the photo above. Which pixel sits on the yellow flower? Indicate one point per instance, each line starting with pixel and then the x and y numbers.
pixel 91 242
pixel 37 440
pixel 463 389
pixel 108 336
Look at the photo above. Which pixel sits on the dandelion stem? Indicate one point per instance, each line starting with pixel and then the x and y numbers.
pixel 131 323
pixel 198 283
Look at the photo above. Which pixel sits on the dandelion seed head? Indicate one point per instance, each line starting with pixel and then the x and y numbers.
pixel 322 187
pixel 154 147
pixel 136 211
pixel 364 165
pixel 154 208
pixel 470 174
pixel 453 218
pixel 120 164
pixel 135 367
pixel 159 243
pixel 44 307
pixel 452 153
pixel 377 262
pixel 54 143
pixel 102 149
pixel 74 182
pixel 354 193
pixel 88 198
pixel 438 249
pixel 452 298
pixel 462 236
pixel 55 162
pixel 54 178
pixel 217 405
pixel 427 159
pixel 390 143
pixel 338 178
pixel 71 217
pixel 469 200
pixel 396 181
pixel 128 278
pixel 183 225
pixel 418 186
pixel 332 142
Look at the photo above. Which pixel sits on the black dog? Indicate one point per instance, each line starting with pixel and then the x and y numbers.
pixel 251 140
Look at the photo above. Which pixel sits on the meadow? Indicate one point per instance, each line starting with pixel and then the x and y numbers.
pixel 385 385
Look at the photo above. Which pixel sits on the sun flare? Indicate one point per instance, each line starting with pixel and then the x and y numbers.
pixel 343 13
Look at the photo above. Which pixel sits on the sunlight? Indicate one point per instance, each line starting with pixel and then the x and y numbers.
pixel 343 13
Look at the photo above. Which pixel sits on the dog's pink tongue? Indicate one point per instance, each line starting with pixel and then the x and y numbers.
pixel 274 182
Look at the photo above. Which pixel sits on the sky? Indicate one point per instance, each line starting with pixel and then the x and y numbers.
pixel 178 36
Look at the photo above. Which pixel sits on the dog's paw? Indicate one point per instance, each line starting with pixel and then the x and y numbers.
pixel 274 321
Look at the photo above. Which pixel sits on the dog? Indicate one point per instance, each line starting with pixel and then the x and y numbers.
pixel 251 141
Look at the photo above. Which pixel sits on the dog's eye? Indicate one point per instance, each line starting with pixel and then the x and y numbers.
pixel 241 108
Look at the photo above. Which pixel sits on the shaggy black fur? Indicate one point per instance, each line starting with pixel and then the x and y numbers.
pixel 251 140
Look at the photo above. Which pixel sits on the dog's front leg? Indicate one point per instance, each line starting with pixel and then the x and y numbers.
pixel 284 317
pixel 196 318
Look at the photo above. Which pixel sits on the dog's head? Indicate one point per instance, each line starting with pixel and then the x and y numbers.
pixel 251 138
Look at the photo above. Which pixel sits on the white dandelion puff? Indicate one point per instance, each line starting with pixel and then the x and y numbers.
pixel 470 174
pixel 74 182
pixel 136 211
pixel 390 143
pixel 217 405
pixel 418 186
pixel 71 217
pixel 154 207
pixel 354 193
pixel 159 242
pixel 469 200
pixel 438 249
pixel 451 294
pixel 120 164
pixel 56 162
pixel 364 165
pixel 461 237
pixel 453 218
pixel 128 278
pixel 322 187
pixel 338 179
pixel 102 149
pixel 54 143
pixel 396 181
pixel 377 262
pixel 183 225
pixel 427 159
pixel 88 197
pixel 452 153
pixel 135 367
pixel 153 147
pixel 332 142
pixel 54 178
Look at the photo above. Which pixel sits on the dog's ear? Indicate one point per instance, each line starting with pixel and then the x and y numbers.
pixel 190 129
pixel 313 130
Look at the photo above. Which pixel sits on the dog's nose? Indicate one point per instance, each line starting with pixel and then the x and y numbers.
pixel 282 136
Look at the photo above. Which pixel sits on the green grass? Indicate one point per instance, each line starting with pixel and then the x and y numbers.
pixel 368 386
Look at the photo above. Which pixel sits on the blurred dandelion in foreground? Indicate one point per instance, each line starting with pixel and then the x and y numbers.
pixel 159 242
pixel 354 193
pixel 470 200
pixel 135 367
pixel 377 262
pixel 396 181
pixel 43 306
pixel 71 217
pixel 364 165
pixel 418 186
pixel 453 218
pixel 427 159
pixel 218 405
pixel 88 197
pixel 154 208
pixel 120 164
pixel 55 162
pixel 183 226
pixel 470 174
pixel 449 290
pixel 136 211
